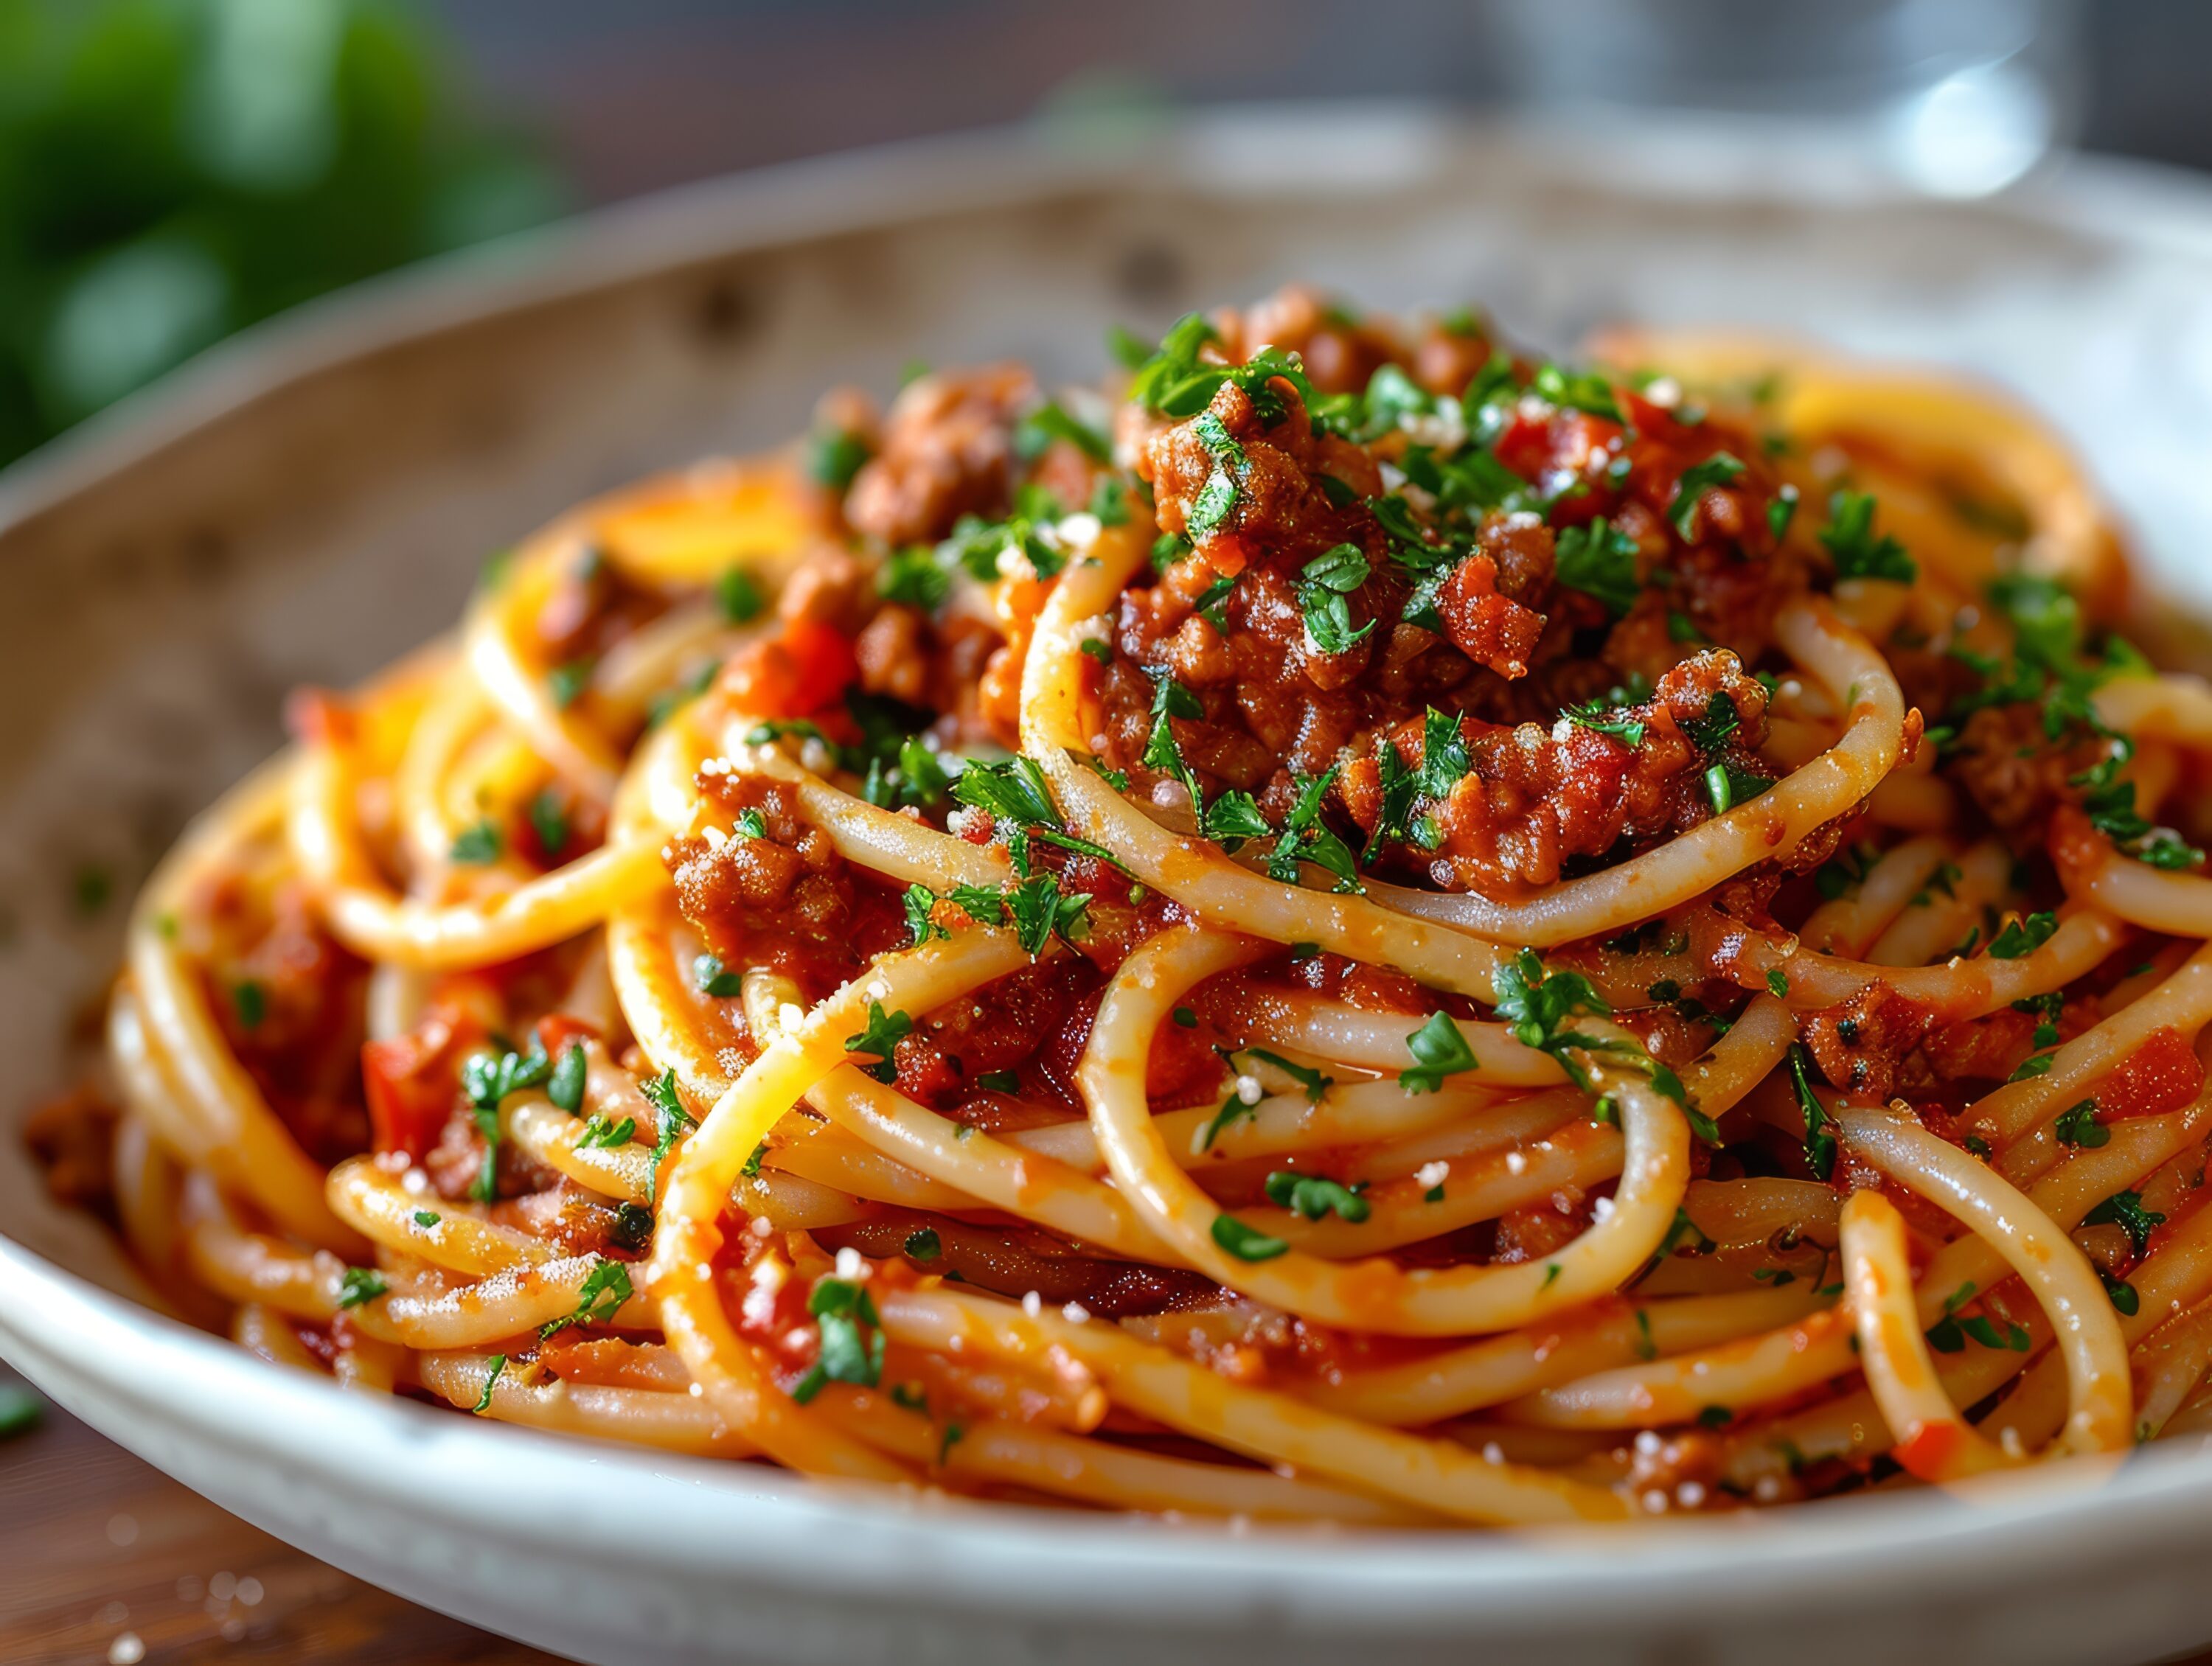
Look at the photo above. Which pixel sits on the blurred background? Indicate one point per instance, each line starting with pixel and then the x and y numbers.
pixel 173 170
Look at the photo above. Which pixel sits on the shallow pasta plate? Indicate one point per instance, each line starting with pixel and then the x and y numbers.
pixel 302 506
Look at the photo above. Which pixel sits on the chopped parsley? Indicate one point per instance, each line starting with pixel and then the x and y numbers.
pixel 1592 714
pixel 1537 1003
pixel 600 1297
pixel 1049 422
pixel 672 1120
pixel 1323 585
pixel 1217 495
pixel 925 1244
pixel 709 977
pixel 835 456
pixel 851 1339
pixel 884 1032
pixel 1439 1049
pixel 2126 1209
pixel 913 577
pixel 738 594
pixel 1849 538
pixel 475 846
pixel 2077 1125
pixel 548 821
pixel 1600 561
pixel 361 1284
pixel 566 683
pixel 1819 1138
pixel 248 1000
pixel 1949 1334
pixel 601 1133
pixel 1315 1083
pixel 1310 1196
pixel 1721 469
pixel 564 1086
pixel 491 1382
pixel 2021 937
pixel 1244 1242
pixel 919 902
pixel 487 1079
pixel 1577 390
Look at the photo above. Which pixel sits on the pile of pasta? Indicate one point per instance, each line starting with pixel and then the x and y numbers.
pixel 713 1216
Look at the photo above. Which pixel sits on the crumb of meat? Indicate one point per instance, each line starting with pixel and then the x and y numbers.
pixel 947 452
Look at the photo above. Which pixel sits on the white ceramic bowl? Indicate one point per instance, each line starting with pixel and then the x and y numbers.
pixel 306 503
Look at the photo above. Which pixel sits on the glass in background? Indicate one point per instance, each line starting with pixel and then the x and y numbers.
pixel 1955 97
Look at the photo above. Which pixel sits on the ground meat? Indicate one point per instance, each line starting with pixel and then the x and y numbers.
pixel 947 452
pixel 2013 771
pixel 1860 1044
pixel 1534 799
pixel 787 900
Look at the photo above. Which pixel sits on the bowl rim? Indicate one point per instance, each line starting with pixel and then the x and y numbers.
pixel 697 1516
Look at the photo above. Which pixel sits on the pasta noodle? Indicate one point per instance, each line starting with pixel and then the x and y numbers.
pixel 1388 934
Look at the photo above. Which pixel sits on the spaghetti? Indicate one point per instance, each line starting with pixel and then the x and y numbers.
pixel 1381 932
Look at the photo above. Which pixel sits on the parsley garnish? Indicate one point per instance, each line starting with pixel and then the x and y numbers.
pixel 2124 1210
pixel 2077 1125
pixel 488 1080
pixel 842 1309
pixel 1325 583
pixel 1849 540
pixel 2021 937
pixel 599 1133
pixel 476 845
pixel 565 1085
pixel 600 1297
pixel 913 577
pixel 1310 1196
pixel 491 1382
pixel 1721 469
pixel 549 822
pixel 738 595
pixel 1600 561
pixel 1948 1334
pixel 1591 714
pixel 1315 1083
pixel 917 901
pixel 1049 422
pixel 1577 390
pixel 672 1120
pixel 361 1284
pixel 925 1244
pixel 250 1002
pixel 1439 1049
pixel 1244 1242
pixel 1536 1003
pixel 835 456
pixel 1304 839
pixel 1216 496
pixel 884 1032
pixel 1819 1141
pixel 709 977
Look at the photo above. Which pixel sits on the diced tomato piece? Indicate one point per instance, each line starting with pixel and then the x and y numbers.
pixel 788 676
pixel 410 1093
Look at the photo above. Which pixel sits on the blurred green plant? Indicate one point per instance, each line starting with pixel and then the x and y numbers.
pixel 173 170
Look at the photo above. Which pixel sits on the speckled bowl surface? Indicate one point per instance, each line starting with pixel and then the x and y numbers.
pixel 310 500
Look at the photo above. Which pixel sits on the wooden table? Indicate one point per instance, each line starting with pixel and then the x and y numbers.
pixel 97 1548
